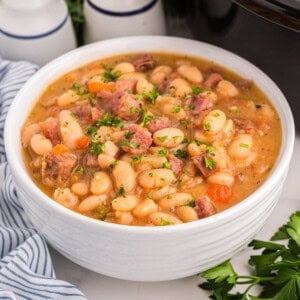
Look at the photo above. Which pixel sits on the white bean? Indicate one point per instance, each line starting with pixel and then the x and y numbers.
pixel 180 87
pixel 67 98
pixel 91 202
pixel 80 188
pixel 162 192
pixel 241 146
pixel 28 131
pixel 154 161
pixel 144 86
pixel 70 129
pixel 214 121
pixel 145 208
pixel 226 89
pixel 222 177
pixel 39 144
pixel 191 73
pixel 126 203
pixel 105 160
pixel 156 178
pixel 211 95
pixel 163 219
pixel 124 176
pixel 168 137
pixel 174 200
pixel 124 67
pixel 110 148
pixel 186 213
pixel 100 183
pixel 124 217
pixel 65 197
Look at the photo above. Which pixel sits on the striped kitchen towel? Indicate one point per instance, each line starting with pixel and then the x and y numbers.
pixel 26 270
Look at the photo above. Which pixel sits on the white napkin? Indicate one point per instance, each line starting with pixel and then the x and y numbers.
pixel 26 270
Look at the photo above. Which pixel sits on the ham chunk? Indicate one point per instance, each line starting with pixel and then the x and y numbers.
pixel 198 103
pixel 57 169
pixel 126 85
pixel 137 140
pixel 204 207
pixel 212 80
pixel 50 129
pixel 158 123
pixel 245 126
pixel 206 164
pixel 126 106
pixel 144 63
pixel 91 160
pixel 176 164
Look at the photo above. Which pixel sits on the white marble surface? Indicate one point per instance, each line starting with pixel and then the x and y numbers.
pixel 96 286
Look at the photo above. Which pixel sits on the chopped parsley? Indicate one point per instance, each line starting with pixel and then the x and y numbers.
pixel 185 122
pixel 133 145
pixel 146 120
pixel 79 89
pixel 128 134
pixel 80 170
pixel 163 152
pixel 91 98
pixel 176 137
pixel 244 145
pixel 92 131
pixel 165 222
pixel 136 158
pixel 162 138
pixel 166 165
pixel 151 174
pixel 113 164
pixel 207 126
pixel 177 109
pixel 209 150
pixel 121 191
pixel 109 75
pixel 217 114
pixel 209 163
pixel 179 153
pixel 196 90
pixel 97 147
pixel 191 106
pixel 152 95
pixel 100 212
pixel 110 120
pixel 191 203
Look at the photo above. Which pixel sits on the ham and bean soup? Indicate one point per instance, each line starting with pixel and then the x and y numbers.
pixel 151 139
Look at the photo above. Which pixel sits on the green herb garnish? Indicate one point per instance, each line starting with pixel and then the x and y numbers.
pixel 166 165
pixel 121 191
pixel 276 269
pixel 163 152
pixel 209 163
pixel 196 90
pixel 181 153
pixel 146 120
pixel 177 109
pixel 110 120
pixel 165 222
pixel 109 75
pixel 243 145
pixel 79 89
pixel 80 170
pixel 191 203
pixel 162 138
pixel 97 147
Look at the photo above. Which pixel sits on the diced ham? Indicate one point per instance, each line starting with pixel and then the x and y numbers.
pixel 176 164
pixel 206 164
pixel 57 169
pixel 198 103
pixel 162 87
pixel 82 111
pixel 244 84
pixel 137 140
pixel 126 85
pixel 53 111
pixel 105 95
pixel 50 129
pixel 245 126
pixel 126 106
pixel 96 114
pixel 213 80
pixel 204 207
pixel 158 123
pixel 91 160
pixel 144 63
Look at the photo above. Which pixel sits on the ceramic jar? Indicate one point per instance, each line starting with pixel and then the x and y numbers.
pixel 106 19
pixel 35 30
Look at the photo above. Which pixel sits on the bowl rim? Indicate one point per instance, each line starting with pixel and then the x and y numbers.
pixel 278 172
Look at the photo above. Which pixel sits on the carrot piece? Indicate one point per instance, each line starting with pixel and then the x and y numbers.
pixel 60 149
pixel 219 193
pixel 95 87
pixel 82 142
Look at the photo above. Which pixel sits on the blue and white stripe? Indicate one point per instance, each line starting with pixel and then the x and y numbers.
pixel 26 270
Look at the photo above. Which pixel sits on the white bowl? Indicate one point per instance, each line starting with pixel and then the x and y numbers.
pixel 146 253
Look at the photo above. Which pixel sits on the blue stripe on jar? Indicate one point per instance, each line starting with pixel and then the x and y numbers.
pixel 37 36
pixel 124 13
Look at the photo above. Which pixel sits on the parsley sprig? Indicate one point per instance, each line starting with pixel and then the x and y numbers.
pixel 276 269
